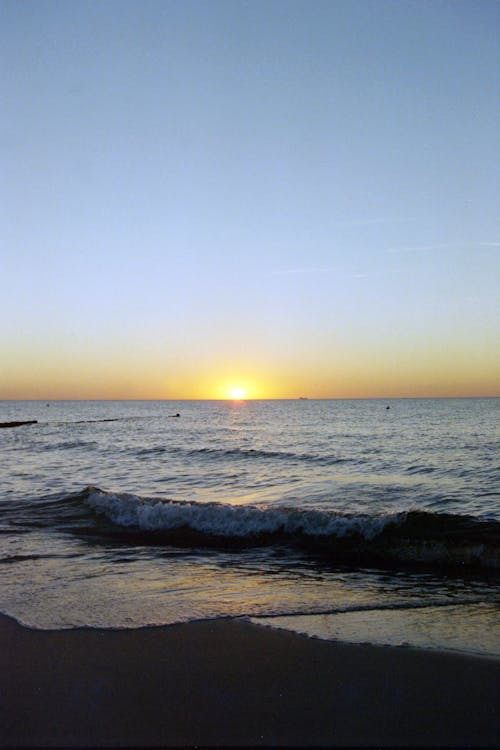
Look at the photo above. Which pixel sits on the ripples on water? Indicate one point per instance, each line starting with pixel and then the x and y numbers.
pixel 343 457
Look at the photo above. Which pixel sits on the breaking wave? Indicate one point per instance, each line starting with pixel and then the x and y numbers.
pixel 407 536
pixel 221 520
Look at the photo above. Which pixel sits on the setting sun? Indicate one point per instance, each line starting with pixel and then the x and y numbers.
pixel 237 394
pixel 238 386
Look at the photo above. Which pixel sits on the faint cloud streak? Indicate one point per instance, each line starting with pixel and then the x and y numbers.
pixel 311 270
pixel 439 246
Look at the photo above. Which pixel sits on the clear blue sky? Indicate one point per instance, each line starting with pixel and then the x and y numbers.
pixel 294 196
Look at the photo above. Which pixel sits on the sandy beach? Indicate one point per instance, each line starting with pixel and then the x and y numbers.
pixel 234 683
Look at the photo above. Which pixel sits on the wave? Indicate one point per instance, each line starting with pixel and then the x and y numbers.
pixel 92 421
pixel 248 453
pixel 413 536
pixel 398 606
pixel 421 469
pixel 70 444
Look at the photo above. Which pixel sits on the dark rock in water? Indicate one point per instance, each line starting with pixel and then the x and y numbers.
pixel 18 424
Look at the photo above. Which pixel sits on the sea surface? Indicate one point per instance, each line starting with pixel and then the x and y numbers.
pixel 361 520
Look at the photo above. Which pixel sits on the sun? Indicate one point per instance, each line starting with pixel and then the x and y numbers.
pixel 237 394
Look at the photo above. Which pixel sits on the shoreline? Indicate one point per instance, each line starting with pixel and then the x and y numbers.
pixel 232 682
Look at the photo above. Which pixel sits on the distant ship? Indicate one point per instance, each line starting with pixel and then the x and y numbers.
pixel 302 398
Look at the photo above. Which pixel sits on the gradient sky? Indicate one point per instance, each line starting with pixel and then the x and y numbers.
pixel 297 198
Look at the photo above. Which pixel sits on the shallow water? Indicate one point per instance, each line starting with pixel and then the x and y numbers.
pixel 472 629
pixel 279 507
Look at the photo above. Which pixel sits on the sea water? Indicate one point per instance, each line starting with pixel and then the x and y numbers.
pixel 362 520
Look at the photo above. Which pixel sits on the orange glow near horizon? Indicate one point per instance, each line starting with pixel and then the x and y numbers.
pixel 48 373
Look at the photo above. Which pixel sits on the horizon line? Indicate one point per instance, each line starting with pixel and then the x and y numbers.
pixel 289 398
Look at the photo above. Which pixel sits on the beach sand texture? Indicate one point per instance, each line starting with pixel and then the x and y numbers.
pixel 229 682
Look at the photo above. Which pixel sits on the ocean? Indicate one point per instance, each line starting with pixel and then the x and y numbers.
pixel 360 520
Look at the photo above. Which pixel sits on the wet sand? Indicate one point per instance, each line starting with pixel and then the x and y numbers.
pixel 234 683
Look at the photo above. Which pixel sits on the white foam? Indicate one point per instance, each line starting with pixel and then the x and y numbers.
pixel 218 519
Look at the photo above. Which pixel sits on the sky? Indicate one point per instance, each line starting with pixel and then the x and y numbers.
pixel 291 198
